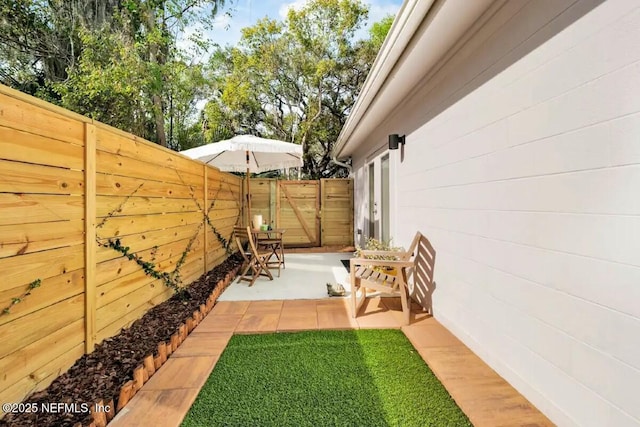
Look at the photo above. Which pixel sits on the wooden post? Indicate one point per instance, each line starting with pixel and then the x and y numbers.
pixel 162 352
pixel 149 365
pixel 205 227
pixel 323 198
pixel 89 237
pixel 138 377
pixel 272 202
pixel 125 395
pixel 99 416
pixel 318 215
pixel 278 205
pixel 157 362
pixel 175 341
pixel 111 410
pixel 248 178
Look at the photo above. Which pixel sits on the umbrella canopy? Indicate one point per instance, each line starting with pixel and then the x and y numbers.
pixel 248 153
pixel 264 154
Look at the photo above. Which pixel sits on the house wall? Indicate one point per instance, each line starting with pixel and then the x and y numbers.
pixel 522 166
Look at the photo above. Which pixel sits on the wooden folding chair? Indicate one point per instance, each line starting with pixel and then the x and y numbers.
pixel 254 260
pixel 273 244
pixel 417 263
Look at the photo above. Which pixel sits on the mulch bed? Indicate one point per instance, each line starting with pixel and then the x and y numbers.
pixel 100 376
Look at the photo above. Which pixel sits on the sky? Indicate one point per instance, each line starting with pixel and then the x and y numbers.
pixel 245 13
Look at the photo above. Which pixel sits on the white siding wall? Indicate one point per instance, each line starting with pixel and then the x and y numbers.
pixel 522 166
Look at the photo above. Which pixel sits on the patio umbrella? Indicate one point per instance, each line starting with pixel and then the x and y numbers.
pixel 248 153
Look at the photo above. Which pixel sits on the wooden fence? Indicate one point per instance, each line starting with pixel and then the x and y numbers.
pixel 314 213
pixel 70 190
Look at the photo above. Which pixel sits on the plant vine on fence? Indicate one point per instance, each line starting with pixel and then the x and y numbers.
pixel 17 300
pixel 172 280
pixel 224 242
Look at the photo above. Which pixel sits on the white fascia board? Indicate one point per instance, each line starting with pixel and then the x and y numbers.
pixel 423 32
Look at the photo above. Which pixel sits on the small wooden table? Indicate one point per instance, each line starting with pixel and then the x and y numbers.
pixel 272 239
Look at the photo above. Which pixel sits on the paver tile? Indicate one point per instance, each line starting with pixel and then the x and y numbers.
pixel 430 334
pixel 258 323
pixel 182 372
pixel 219 323
pixel 335 317
pixel 298 318
pixel 230 307
pixel 165 408
pixel 203 344
pixel 264 307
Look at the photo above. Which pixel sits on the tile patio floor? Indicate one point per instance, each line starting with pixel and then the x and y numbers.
pixel 482 394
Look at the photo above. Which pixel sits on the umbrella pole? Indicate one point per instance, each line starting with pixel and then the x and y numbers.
pixel 248 192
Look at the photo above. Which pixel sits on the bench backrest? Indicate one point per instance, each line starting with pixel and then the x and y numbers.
pixel 423 255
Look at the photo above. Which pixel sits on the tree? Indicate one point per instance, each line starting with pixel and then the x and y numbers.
pixel 40 40
pixel 295 80
pixel 114 60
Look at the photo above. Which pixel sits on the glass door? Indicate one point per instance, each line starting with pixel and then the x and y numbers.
pixel 379 222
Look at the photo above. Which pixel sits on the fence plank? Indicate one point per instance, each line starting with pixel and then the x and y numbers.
pixel 124 186
pixel 17 177
pixel 119 206
pixel 23 269
pixel 123 226
pixel 110 163
pixel 51 291
pixel 42 376
pixel 13 114
pixel 22 146
pixel 110 141
pixel 26 361
pixel 20 333
pixel 31 208
pixel 19 239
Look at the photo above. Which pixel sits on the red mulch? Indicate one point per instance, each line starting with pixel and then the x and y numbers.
pixel 101 374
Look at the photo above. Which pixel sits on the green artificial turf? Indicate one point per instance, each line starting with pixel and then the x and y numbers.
pixel 323 378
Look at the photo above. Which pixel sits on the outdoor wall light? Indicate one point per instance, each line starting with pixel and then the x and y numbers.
pixel 395 140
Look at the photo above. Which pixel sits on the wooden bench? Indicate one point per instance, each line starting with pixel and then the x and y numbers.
pixel 415 264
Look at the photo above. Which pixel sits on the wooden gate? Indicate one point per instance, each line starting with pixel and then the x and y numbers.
pixel 336 217
pixel 298 212
pixel 314 213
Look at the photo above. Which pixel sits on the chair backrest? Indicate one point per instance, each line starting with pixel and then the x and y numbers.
pixel 423 255
pixel 242 234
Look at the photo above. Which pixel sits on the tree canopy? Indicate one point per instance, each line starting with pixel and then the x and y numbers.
pixel 295 80
pixel 113 60
pixel 120 62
